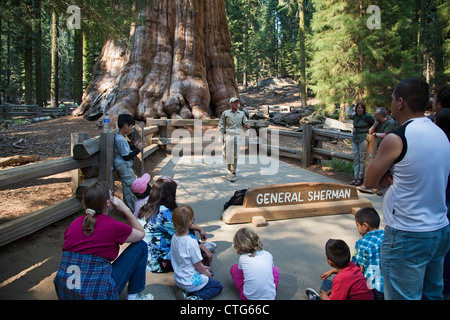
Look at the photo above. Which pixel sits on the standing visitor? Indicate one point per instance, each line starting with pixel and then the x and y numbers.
pixel 413 163
pixel 362 121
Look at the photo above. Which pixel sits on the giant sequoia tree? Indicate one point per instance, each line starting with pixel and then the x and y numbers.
pixel 177 63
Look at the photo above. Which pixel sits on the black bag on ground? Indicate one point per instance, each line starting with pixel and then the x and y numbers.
pixel 236 199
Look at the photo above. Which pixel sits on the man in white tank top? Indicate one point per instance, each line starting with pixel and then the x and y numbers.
pixel 414 164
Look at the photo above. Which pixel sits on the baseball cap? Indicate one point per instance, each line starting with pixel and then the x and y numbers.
pixel 233 99
pixel 140 184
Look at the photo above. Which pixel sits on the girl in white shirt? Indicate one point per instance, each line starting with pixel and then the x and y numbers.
pixel 190 274
pixel 255 276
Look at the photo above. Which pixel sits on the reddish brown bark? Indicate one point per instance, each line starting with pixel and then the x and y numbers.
pixel 179 65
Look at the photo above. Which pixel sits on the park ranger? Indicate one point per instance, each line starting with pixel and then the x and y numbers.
pixel 230 125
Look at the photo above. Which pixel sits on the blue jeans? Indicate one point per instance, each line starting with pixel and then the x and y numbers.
pixel 210 290
pixel 130 267
pixel 412 263
pixel 447 264
pixel 447 276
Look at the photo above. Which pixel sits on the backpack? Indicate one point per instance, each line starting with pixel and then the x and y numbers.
pixel 236 199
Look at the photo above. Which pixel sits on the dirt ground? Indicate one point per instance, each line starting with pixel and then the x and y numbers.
pixel 50 140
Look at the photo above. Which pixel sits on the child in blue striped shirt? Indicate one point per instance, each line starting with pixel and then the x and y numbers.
pixel 367 249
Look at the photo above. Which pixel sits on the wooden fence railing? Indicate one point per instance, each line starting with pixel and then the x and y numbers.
pixel 311 138
pixel 92 159
pixel 8 111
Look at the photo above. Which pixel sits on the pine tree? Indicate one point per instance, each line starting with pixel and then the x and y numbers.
pixel 335 65
pixel 353 62
pixel 443 12
pixel 243 23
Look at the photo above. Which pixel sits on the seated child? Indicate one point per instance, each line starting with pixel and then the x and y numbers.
pixel 349 282
pixel 367 249
pixel 141 189
pixel 124 153
pixel 255 277
pixel 190 274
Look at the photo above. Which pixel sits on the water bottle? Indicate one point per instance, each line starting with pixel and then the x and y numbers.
pixel 106 123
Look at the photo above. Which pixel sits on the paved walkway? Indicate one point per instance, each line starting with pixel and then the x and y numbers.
pixel 297 245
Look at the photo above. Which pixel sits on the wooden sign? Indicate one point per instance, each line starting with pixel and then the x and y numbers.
pixel 297 193
pixel 295 200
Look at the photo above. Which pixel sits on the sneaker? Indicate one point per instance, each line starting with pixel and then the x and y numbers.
pixel 183 295
pixel 211 246
pixel 146 296
pixel 232 178
pixel 312 294
pixel 180 294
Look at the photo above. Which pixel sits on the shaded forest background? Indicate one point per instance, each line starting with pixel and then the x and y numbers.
pixel 339 51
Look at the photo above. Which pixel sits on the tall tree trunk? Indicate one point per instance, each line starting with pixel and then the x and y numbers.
pixel 179 65
pixel 78 66
pixel 301 36
pixel 28 65
pixel 2 90
pixel 38 53
pixel 8 60
pixel 54 85
pixel 86 64
pixel 28 54
pixel 420 35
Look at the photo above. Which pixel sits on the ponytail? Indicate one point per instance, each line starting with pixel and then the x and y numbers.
pixel 94 201
pixel 89 222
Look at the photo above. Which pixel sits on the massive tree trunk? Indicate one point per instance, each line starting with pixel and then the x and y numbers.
pixel 178 65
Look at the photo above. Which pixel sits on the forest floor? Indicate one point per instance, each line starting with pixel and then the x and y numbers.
pixel 51 140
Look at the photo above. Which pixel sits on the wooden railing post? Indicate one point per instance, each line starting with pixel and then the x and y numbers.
pixel 7 112
pixel 77 175
pixel 307 144
pixel 106 158
pixel 163 133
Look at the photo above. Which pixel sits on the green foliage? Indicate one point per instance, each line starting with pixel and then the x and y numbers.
pixel 339 166
pixel 100 19
pixel 345 60
pixel 323 44
pixel 352 62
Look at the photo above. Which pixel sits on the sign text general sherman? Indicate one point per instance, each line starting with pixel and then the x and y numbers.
pixel 297 193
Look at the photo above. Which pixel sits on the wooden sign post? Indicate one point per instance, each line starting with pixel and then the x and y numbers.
pixel 295 200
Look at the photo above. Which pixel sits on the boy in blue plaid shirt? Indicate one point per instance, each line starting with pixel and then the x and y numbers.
pixel 367 249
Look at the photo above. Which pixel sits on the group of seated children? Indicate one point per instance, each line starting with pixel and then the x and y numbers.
pixel 256 277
